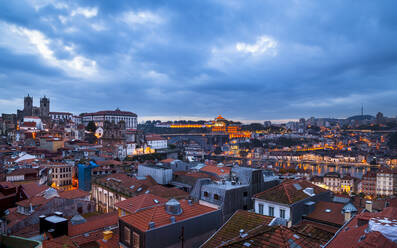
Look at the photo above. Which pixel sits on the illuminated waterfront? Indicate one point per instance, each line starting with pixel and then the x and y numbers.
pixel 320 169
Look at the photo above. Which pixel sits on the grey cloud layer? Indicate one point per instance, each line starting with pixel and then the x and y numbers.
pixel 244 59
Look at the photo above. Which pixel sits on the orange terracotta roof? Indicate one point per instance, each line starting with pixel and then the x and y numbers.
pixel 274 236
pixel 73 194
pixel 132 205
pixel 218 170
pixel 165 192
pixel 160 217
pixel 354 234
pixel 109 162
pixel 60 242
pixel 287 193
pixel 32 189
pixel 94 223
pixel 34 201
pixel 335 214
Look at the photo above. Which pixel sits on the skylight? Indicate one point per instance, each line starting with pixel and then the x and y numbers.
pixel 297 186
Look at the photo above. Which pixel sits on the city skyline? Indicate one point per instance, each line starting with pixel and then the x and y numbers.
pixel 250 61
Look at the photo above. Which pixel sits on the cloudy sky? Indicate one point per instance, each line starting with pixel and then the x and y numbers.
pixel 246 60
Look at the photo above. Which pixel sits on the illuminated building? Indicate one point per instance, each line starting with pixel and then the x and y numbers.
pixel 113 116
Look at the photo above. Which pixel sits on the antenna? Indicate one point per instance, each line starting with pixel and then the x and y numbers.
pixel 362 109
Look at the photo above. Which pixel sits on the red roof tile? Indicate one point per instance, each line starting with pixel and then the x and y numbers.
pixel 218 170
pixel 289 192
pixel 32 189
pixel 60 242
pixel 73 194
pixel 131 205
pixel 355 234
pixel 334 215
pixel 94 223
pixel 160 217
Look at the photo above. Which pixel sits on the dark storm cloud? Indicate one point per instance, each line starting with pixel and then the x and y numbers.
pixel 244 59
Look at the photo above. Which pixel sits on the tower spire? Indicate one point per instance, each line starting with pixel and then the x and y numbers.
pixel 362 109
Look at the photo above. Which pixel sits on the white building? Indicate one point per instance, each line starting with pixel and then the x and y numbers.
pixel 114 116
pixel 35 119
pixel 60 116
pixel 290 200
pixel 386 181
pixel 156 141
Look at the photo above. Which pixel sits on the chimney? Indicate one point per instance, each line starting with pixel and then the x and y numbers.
pixel 107 235
pixel 368 206
pixel 348 216
pixel 42 224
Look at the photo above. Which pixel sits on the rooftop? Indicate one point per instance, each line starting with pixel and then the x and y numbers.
pixel 289 192
pixel 136 203
pixel 231 230
pixel 159 216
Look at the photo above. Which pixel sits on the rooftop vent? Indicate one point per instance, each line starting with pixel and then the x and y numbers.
pixel 156 201
pixel 151 225
pixel 172 219
pixel 173 207
pixel 328 210
pixel 297 186
pixel 147 192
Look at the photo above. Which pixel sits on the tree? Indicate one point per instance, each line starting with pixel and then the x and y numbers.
pixel 91 127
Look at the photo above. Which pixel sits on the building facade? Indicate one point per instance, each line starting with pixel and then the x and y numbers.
pixel 113 116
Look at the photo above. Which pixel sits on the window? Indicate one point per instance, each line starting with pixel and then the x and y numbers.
pixel 127 235
pixel 260 205
pixel 205 193
pixel 245 193
pixel 282 213
pixel 271 211
pixel 135 240
pixel 216 197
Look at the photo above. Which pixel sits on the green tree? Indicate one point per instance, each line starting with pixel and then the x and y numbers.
pixel 91 127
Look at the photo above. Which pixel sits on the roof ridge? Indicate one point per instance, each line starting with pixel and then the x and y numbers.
pixel 286 192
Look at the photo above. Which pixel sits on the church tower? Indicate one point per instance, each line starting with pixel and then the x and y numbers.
pixel 28 106
pixel 44 106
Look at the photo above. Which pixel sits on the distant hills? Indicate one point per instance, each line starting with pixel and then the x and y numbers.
pixel 361 118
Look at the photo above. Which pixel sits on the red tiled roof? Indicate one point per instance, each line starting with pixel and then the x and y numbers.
pixel 287 193
pixel 240 220
pixel 131 205
pixel 354 235
pixel 275 236
pixel 109 162
pixel 28 124
pixel 60 242
pixel 218 170
pixel 160 217
pixel 73 194
pixel 335 214
pixel 168 193
pixel 23 171
pixel 32 189
pixel 34 201
pixel 94 223
pixel 154 137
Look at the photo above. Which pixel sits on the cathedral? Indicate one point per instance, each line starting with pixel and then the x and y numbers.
pixel 30 110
